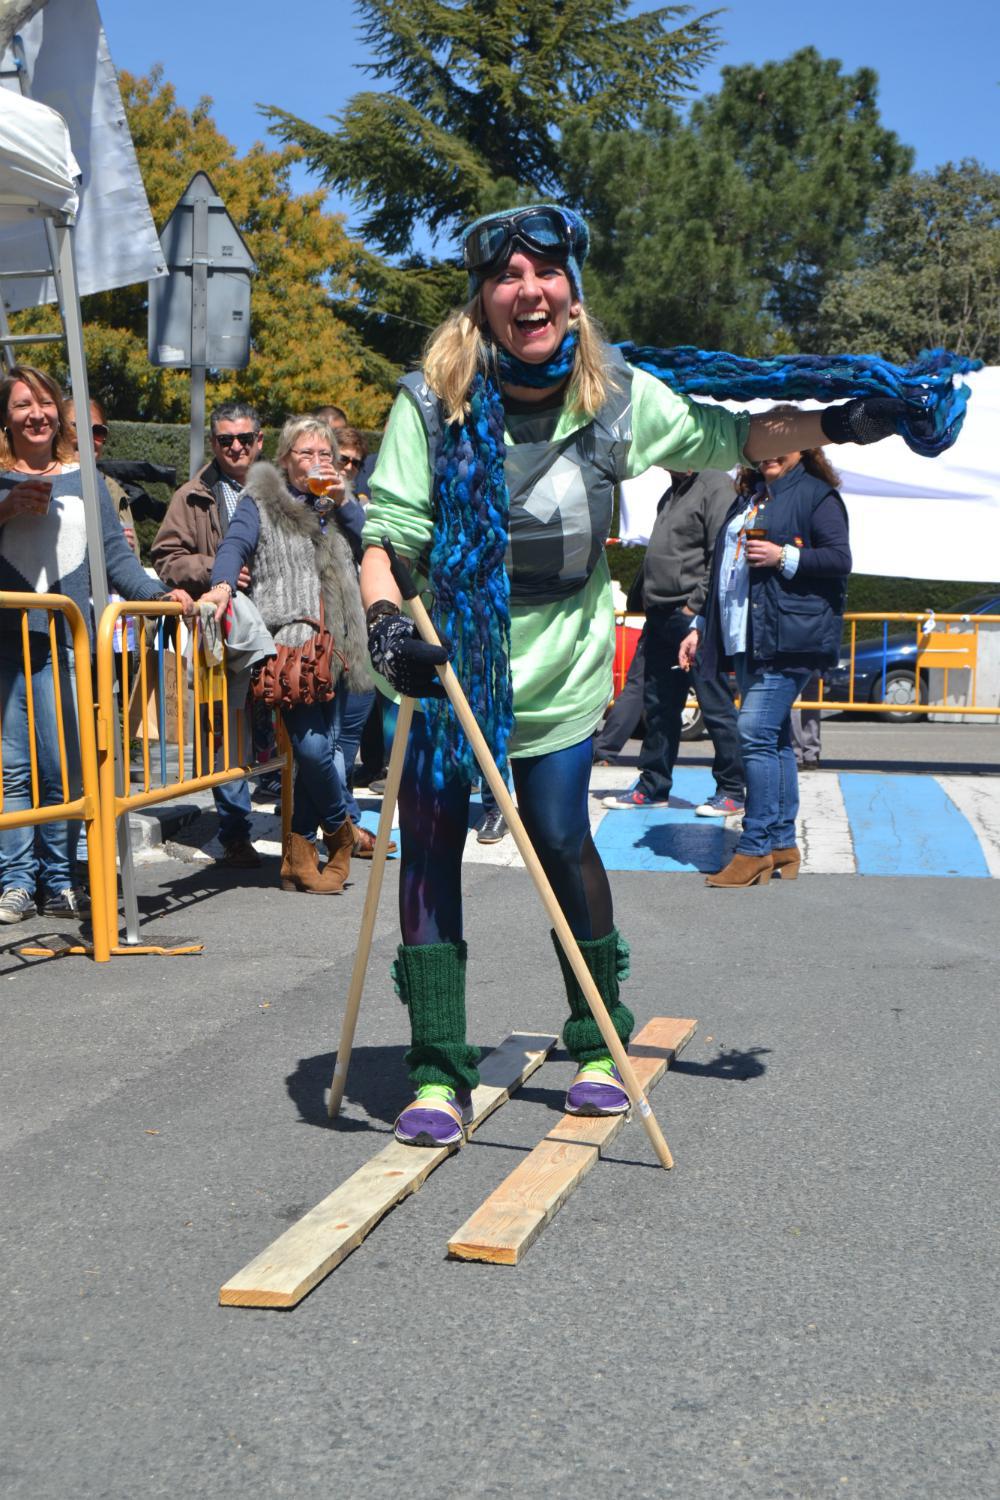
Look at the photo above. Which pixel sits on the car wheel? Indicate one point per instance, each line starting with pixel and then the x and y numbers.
pixel 692 722
pixel 900 687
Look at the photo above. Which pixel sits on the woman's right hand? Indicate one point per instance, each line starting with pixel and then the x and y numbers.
pixel 687 651
pixel 30 497
pixel 407 663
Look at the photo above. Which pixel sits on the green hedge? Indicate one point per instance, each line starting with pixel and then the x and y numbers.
pixel 164 443
pixel 866 592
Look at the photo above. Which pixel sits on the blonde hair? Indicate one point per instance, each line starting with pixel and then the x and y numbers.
pixel 457 349
pixel 41 386
pixel 297 427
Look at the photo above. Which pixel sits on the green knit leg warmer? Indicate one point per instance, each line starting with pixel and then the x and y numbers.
pixel 607 960
pixel 430 981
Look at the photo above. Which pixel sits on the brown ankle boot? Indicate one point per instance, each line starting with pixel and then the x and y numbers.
pixel 786 862
pixel 742 870
pixel 339 846
pixel 300 869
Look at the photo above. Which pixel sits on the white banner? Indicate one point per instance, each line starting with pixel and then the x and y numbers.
pixel 115 242
pixel 911 517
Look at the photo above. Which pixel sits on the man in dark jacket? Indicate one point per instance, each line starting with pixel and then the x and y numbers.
pixel 197 519
pixel 674 583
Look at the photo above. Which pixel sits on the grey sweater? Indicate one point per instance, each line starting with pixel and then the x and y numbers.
pixel 48 554
pixel 679 553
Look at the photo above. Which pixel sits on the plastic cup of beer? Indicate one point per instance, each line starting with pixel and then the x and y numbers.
pixel 41 501
pixel 322 485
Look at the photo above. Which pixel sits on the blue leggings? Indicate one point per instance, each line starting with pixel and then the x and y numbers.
pixel 552 800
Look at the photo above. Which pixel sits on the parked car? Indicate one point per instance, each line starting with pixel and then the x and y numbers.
pixel 885 669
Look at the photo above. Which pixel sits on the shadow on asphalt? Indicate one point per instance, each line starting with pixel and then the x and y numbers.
pixel 729 1064
pixel 378 1084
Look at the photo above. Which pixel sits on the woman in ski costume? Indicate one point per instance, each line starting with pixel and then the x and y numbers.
pixel 496 479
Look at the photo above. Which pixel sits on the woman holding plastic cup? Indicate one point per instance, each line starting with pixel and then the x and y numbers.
pixel 43 549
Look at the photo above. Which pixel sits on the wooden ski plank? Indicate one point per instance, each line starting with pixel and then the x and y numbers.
pixel 514 1215
pixel 307 1252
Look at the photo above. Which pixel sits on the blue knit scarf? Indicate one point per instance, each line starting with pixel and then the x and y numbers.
pixel 928 384
pixel 471 503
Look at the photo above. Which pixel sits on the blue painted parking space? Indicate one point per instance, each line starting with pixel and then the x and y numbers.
pixel 908 825
pixel 668 839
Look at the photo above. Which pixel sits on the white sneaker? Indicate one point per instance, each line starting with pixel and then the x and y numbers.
pixel 16 904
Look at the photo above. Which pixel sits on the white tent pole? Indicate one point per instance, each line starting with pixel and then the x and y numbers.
pixel 60 239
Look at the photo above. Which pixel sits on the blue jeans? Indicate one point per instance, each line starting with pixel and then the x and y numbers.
pixel 772 778
pixel 353 716
pixel 56 842
pixel 232 798
pixel 318 799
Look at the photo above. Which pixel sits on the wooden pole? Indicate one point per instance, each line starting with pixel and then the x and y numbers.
pixel 363 950
pixel 567 941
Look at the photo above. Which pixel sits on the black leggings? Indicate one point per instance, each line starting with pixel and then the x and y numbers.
pixel 552 800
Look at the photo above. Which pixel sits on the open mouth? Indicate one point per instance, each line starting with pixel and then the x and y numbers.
pixel 530 325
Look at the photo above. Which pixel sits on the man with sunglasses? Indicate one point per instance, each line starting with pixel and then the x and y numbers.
pixel 197 519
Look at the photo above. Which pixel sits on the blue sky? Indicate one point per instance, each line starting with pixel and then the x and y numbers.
pixel 939 66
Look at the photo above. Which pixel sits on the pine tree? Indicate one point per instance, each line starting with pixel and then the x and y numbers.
pixel 480 97
pixel 726 229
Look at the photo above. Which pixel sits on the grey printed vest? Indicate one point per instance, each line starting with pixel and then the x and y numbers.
pixel 561 492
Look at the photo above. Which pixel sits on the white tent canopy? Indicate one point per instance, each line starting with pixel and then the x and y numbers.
pixel 37 165
pixel 67 64
pixel 911 517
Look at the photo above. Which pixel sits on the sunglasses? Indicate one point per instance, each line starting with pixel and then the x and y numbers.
pixel 348 462
pixel 541 231
pixel 226 440
pixel 99 430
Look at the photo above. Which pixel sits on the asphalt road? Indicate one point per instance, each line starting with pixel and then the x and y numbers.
pixel 806 1306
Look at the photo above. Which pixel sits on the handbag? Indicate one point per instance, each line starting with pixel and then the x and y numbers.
pixel 298 674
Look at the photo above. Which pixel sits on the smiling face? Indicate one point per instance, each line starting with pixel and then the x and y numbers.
pixel 235 446
pixel 771 469
pixel 33 424
pixel 528 306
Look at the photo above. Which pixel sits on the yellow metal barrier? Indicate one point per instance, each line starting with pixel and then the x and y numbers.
pixel 85 806
pixel 936 649
pixel 203 708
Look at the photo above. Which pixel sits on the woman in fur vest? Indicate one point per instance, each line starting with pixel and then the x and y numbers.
pixel 295 550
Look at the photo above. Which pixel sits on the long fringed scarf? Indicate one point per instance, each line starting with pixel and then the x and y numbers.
pixel 471 503
pixel 928 384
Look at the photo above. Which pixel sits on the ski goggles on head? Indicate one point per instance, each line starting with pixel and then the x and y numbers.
pixel 541 230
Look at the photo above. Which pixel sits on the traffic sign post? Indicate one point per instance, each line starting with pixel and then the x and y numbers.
pixel 199 314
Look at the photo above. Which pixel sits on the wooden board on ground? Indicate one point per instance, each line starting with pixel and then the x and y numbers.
pixel 289 1268
pixel 512 1217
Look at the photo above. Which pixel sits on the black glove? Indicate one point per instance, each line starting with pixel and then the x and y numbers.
pixel 868 419
pixel 405 661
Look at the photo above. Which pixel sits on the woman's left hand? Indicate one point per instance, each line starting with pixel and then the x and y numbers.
pixel 763 554
pixel 220 596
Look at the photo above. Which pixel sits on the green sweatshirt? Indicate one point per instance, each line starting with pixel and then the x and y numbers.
pixel 562 652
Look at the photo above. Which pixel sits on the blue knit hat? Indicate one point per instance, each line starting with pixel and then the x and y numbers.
pixel 573 259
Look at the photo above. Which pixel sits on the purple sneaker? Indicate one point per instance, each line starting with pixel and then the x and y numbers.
pixel 437 1116
pixel 597 1090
